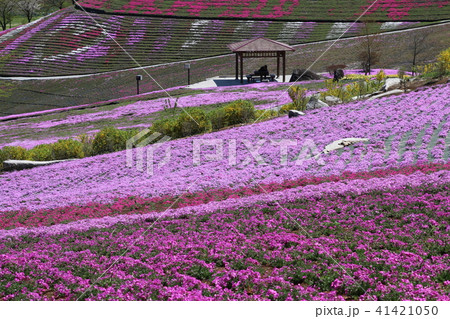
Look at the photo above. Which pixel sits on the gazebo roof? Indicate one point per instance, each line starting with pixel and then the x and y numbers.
pixel 259 45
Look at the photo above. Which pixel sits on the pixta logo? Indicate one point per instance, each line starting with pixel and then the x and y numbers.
pixel 143 158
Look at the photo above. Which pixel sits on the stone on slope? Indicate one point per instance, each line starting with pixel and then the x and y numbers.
pixel 295 113
pixel 303 75
pixel 315 103
pixel 391 84
pixel 343 143
pixel 332 99
pixel 17 165
pixel 393 92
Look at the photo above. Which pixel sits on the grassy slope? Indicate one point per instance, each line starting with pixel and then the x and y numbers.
pixel 306 10
pixel 19 97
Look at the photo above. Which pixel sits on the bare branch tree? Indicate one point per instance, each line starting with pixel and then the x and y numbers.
pixel 55 3
pixel 29 7
pixel 369 47
pixel 417 47
pixel 6 11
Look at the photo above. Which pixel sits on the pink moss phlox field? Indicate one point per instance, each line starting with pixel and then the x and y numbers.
pixel 401 131
pixel 384 242
pixel 137 205
pixel 145 108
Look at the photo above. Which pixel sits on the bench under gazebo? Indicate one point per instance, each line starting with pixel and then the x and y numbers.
pixel 259 48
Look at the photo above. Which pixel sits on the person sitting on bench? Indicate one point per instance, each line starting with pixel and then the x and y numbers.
pixel 263 73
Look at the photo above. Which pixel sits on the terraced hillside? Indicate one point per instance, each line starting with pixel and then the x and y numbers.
pixel 72 42
pixel 298 10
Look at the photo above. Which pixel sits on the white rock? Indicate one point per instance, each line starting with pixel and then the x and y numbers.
pixel 315 103
pixel 332 99
pixel 391 84
pixel 343 143
pixel 393 92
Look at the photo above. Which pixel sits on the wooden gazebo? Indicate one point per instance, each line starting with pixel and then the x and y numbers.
pixel 259 48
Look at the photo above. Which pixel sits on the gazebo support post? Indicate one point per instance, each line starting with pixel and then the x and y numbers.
pixel 259 48
pixel 242 67
pixel 278 64
pixel 237 66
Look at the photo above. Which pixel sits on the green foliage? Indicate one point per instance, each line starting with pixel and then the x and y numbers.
pixel 43 152
pixel 345 92
pixel 109 140
pixel 217 118
pixel 167 126
pixel 381 76
pixel 199 272
pixel 193 121
pixel 336 89
pixel 240 111
pixel 87 141
pixel 443 276
pixel 298 97
pixel 65 149
pixel 438 69
pixel 12 153
pixel 265 114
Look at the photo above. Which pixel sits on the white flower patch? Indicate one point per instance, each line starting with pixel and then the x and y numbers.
pixel 66 55
pixel 289 32
pixel 83 29
pixel 247 25
pixel 338 29
pixel 197 29
pixel 390 25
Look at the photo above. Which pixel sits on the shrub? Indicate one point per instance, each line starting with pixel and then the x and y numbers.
pixel 239 111
pixel 337 90
pixel 298 97
pixel 65 149
pixel 193 121
pixel 217 118
pixel 13 153
pixel 168 127
pixel 444 62
pixel 109 140
pixel 87 141
pixel 43 152
pixel 440 68
pixel 265 114
pixel 381 76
